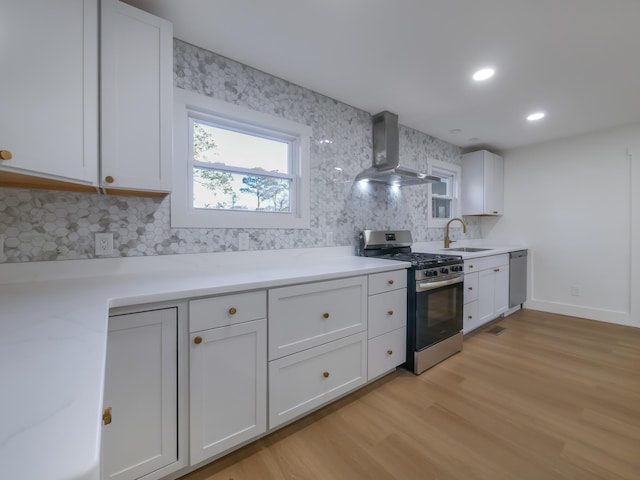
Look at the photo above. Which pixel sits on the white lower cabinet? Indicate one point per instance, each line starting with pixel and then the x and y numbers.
pixel 228 373
pixel 305 316
pixel 303 381
pixel 228 387
pixel 387 326
pixel 140 432
pixel 492 297
pixel 386 352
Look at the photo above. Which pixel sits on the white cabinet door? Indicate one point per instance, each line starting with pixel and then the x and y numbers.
pixel 49 89
pixel 502 289
pixel 228 387
pixel 386 352
pixel 136 99
pixel 493 294
pixel 304 316
pixel 306 380
pixel 482 184
pixel 387 312
pixel 470 320
pixel 486 296
pixel 141 391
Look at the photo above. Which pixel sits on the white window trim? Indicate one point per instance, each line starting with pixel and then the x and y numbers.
pixel 184 215
pixel 456 171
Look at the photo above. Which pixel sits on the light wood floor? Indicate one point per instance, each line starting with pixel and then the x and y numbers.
pixel 552 397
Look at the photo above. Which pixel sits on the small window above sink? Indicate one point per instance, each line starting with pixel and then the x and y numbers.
pixel 467 249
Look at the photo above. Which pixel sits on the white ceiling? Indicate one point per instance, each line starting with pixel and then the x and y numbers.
pixel 576 60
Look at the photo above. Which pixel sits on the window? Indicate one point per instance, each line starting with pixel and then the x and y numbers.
pixel 237 168
pixel 443 203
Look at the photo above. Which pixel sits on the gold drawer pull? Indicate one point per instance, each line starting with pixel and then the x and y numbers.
pixel 233 311
pixel 390 312
pixel 197 340
pixel 496 269
pixel 109 179
pixel 106 416
pixel 325 315
pixel 470 317
pixel 390 282
pixel 389 352
pixel 470 288
pixel 5 155
pixel 325 374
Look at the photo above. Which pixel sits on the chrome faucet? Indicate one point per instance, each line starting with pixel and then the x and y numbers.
pixel 447 240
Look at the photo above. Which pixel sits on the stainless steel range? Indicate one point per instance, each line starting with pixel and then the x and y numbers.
pixel 434 296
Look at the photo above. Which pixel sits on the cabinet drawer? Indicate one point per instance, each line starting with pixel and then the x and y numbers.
pixel 386 352
pixel 305 316
pixel 470 287
pixel 387 281
pixel 387 312
pixel 306 380
pixel 470 317
pixel 482 263
pixel 226 310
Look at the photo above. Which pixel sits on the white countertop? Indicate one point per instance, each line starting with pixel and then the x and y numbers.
pixel 53 334
pixel 493 247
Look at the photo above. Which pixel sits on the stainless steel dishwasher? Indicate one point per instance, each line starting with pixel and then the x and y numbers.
pixel 517 278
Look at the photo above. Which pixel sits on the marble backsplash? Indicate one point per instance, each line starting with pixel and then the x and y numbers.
pixel 40 225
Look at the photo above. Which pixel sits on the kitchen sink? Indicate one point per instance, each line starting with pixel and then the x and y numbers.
pixel 467 249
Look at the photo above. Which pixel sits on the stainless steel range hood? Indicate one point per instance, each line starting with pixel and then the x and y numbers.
pixel 386 156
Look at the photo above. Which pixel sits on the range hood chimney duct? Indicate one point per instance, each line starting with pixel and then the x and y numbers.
pixel 386 156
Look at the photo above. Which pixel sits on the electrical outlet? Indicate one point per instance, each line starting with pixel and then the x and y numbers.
pixel 243 241
pixel 104 244
pixel 576 290
pixel 329 239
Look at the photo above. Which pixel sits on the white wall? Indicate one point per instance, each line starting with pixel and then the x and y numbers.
pixel 576 202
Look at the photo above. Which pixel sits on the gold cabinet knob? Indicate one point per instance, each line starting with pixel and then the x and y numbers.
pixel 390 282
pixel 325 374
pixel 106 416
pixel 5 155
pixel 389 352
pixel 390 312
pixel 470 266
pixel 496 269
pixel 470 317
pixel 325 315
pixel 470 288
pixel 233 311
pixel 109 179
pixel 197 340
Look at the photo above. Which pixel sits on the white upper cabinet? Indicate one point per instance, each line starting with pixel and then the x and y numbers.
pixel 136 99
pixel 482 184
pixel 49 91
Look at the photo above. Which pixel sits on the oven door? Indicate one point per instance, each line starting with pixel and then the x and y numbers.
pixel 438 311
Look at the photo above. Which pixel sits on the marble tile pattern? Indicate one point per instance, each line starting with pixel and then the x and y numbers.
pixel 42 225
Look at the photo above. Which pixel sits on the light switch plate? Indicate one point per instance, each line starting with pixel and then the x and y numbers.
pixel 104 244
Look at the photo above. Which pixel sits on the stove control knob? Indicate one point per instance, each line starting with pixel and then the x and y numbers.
pixel 444 270
pixel 431 273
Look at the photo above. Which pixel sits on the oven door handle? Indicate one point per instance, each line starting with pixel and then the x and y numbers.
pixel 424 286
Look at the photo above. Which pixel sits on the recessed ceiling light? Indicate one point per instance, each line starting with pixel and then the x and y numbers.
pixel 535 116
pixel 483 74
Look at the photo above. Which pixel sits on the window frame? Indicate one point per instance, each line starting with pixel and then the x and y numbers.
pixel 439 168
pixel 190 105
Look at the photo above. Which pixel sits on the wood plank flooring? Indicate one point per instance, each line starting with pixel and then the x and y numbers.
pixel 552 397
